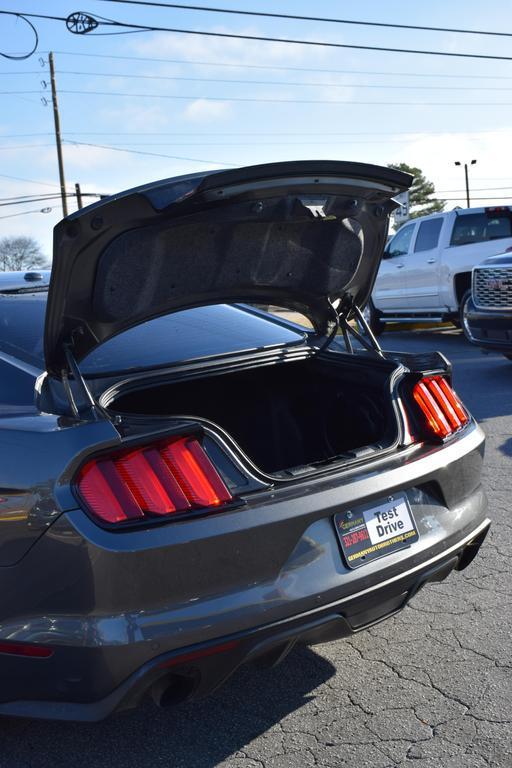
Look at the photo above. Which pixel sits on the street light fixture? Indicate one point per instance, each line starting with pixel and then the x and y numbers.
pixel 25 213
pixel 473 162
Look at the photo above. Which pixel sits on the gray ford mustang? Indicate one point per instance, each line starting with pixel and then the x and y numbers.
pixel 190 482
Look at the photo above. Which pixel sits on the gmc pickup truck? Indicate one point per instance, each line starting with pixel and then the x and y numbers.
pixel 487 321
pixel 425 273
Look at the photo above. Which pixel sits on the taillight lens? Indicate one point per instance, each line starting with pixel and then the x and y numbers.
pixel 155 481
pixel 26 649
pixel 440 409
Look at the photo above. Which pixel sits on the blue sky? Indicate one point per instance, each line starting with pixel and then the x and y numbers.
pixel 424 110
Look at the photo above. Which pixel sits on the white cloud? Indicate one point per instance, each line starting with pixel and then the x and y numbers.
pixel 226 50
pixel 201 110
pixel 80 157
pixel 436 156
pixel 138 116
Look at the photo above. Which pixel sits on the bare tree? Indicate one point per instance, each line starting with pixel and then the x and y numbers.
pixel 19 253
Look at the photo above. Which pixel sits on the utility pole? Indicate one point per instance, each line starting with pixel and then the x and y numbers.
pixel 58 141
pixel 466 176
pixel 79 201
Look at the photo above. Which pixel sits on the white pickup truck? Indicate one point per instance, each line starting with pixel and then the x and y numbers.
pixel 425 273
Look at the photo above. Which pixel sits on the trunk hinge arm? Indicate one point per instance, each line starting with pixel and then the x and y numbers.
pixel 340 322
pixel 84 406
pixel 368 340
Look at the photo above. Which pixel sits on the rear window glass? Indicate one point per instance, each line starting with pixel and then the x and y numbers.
pixel 187 335
pixel 283 313
pixel 193 333
pixel 480 227
pixel 428 235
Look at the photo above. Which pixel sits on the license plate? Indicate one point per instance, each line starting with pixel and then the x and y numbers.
pixel 366 534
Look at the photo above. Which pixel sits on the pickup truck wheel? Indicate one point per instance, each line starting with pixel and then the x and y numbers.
pixel 463 309
pixel 372 317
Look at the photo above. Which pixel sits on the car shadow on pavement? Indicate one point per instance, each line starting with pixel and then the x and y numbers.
pixel 506 447
pixel 202 734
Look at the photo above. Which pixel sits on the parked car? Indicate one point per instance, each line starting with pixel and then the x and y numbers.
pixel 425 274
pixel 487 319
pixel 190 483
pixel 27 281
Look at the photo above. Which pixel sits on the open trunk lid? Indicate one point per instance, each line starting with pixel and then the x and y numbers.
pixel 306 235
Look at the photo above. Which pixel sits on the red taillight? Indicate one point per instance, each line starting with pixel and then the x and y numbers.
pixel 152 481
pixel 195 473
pixel 143 483
pixel 26 649
pixel 439 406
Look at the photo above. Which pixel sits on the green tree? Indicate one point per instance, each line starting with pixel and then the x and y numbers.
pixel 420 197
pixel 20 253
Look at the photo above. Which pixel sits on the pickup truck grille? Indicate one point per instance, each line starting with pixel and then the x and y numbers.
pixel 492 288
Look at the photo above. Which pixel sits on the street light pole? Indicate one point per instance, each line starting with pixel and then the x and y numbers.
pixel 466 175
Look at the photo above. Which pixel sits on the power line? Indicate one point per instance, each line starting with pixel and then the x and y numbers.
pixel 283 143
pixel 34 199
pixel 179 78
pixel 505 132
pixel 22 135
pixel 241 65
pixel 252 143
pixel 480 189
pixel 250 99
pixel 30 181
pixel 7 147
pixel 24 213
pixel 23 98
pixel 27 199
pixel 496 197
pixel 21 56
pixel 491 178
pixel 284 134
pixel 275 133
pixel 295 17
pixel 263 38
pixel 151 154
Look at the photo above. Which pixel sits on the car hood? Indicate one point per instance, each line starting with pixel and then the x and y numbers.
pixel 500 260
pixel 303 235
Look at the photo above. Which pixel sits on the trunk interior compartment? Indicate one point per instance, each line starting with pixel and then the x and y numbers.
pixel 286 415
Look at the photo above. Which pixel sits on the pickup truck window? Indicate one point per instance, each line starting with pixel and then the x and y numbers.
pixel 399 245
pixel 480 227
pixel 428 235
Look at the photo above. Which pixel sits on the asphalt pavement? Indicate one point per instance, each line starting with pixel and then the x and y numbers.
pixel 430 688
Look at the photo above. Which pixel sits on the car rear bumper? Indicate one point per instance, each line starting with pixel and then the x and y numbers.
pixel 116 606
pixel 198 670
pixel 490 329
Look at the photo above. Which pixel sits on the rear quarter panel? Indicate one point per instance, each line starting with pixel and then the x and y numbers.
pixel 39 453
